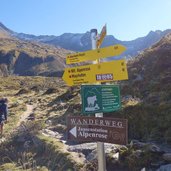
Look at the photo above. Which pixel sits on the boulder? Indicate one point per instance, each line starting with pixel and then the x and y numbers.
pixel 136 144
pixel 167 157
pixel 165 168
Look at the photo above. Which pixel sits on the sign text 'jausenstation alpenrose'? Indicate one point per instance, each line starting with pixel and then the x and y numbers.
pixel 111 130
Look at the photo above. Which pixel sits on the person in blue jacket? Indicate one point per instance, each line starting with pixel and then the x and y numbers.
pixel 3 113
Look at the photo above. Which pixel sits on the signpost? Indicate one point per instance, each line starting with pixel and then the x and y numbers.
pixel 102 36
pixel 100 98
pixel 97 98
pixel 95 54
pixel 102 72
pixel 110 130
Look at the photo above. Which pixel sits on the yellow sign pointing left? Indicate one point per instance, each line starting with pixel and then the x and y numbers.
pixel 95 54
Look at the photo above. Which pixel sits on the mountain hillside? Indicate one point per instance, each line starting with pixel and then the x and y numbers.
pixel 22 57
pixel 151 69
pixel 4 31
pixel 29 58
pixel 148 93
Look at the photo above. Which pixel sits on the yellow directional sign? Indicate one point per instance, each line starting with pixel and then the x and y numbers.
pixel 103 72
pixel 95 54
pixel 102 36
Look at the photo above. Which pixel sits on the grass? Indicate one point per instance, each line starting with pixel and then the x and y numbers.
pixel 56 156
pixel 145 121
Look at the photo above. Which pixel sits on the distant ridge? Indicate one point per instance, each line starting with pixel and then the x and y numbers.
pixel 82 42
pixel 26 54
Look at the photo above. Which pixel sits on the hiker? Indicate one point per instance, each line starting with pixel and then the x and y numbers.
pixel 3 113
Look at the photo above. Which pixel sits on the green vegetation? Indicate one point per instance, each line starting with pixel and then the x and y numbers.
pixel 38 107
pixel 36 92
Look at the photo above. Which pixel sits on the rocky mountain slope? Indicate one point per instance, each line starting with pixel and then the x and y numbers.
pixel 4 31
pixel 24 54
pixel 150 71
pixel 150 82
pixel 29 58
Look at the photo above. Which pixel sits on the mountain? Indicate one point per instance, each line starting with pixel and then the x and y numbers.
pixel 82 42
pixel 150 70
pixel 149 85
pixel 25 54
pixel 22 57
pixel 70 41
pixel 4 31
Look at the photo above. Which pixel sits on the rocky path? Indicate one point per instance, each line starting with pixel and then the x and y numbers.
pixel 23 118
pixel 26 114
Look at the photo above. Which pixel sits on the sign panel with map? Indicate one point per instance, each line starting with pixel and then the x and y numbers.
pixel 100 98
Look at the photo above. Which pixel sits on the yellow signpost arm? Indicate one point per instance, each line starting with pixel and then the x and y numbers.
pixel 95 54
pixel 102 72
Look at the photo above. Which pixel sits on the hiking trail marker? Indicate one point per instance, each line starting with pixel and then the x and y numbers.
pixel 110 130
pixel 102 36
pixel 100 98
pixel 95 54
pixel 102 72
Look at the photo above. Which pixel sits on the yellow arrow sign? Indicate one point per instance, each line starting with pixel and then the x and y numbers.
pixel 95 54
pixel 103 72
pixel 102 36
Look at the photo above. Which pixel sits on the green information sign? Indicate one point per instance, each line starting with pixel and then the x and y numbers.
pixel 100 98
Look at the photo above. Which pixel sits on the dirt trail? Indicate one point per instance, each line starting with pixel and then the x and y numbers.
pixel 23 118
pixel 25 115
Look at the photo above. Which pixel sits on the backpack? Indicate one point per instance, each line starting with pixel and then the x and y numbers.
pixel 1 107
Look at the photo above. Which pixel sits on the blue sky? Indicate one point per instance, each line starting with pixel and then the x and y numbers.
pixel 125 19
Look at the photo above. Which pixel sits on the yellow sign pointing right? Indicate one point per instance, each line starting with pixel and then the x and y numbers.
pixel 103 72
pixel 95 54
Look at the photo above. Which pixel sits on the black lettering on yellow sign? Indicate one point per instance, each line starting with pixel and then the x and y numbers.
pixel 81 54
pixel 76 55
pixel 78 75
pixel 72 70
pixel 83 69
